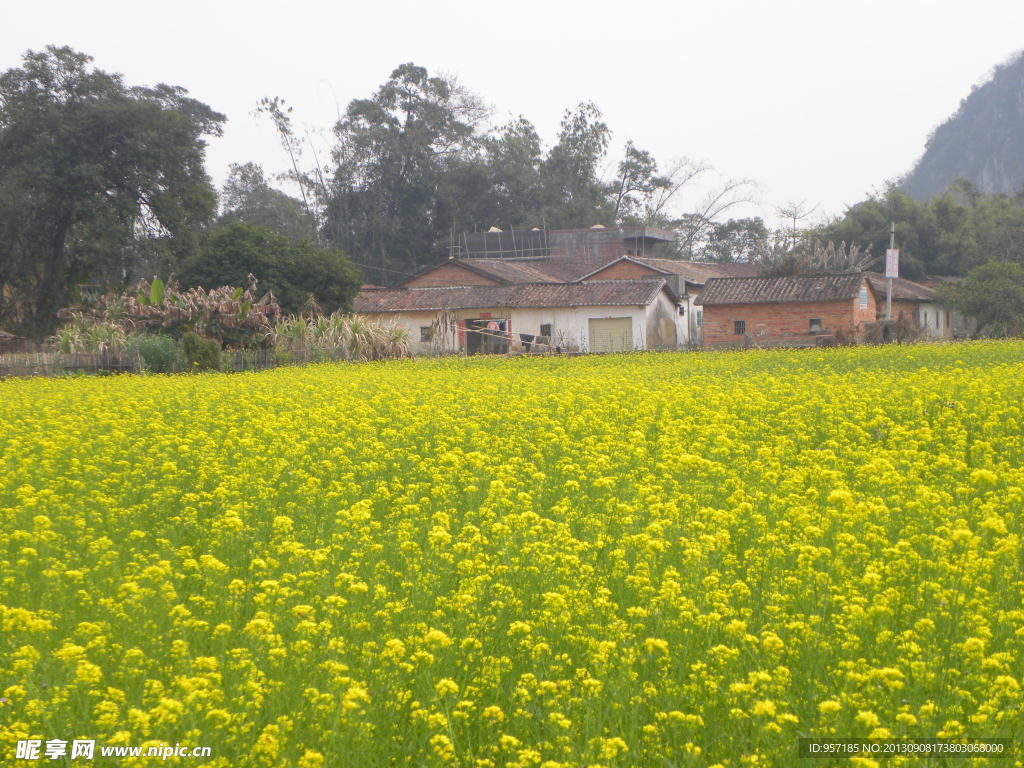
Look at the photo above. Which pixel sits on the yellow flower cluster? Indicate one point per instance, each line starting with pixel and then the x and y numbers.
pixel 635 560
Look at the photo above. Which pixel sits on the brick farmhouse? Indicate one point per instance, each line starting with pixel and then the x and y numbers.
pixel 787 311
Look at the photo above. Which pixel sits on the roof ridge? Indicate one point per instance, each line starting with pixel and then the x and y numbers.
pixel 790 277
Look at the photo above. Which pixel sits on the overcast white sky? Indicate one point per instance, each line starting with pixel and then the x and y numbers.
pixel 815 100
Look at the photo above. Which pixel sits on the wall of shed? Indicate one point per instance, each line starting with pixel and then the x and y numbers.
pixel 902 309
pixel 936 322
pixel 666 328
pixel 625 270
pixel 784 324
pixel 692 322
pixel 449 274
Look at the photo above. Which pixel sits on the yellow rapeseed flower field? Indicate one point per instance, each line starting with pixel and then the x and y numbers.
pixel 636 560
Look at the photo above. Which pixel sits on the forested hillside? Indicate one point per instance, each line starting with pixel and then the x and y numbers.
pixel 982 142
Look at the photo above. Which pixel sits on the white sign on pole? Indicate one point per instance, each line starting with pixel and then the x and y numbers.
pixel 892 262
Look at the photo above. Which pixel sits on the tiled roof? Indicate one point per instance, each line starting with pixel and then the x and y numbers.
pixel 699 272
pixel 569 270
pixel 543 295
pixel 560 269
pixel 902 290
pixel 508 270
pixel 776 290
pixel 937 280
pixel 557 269
pixel 694 272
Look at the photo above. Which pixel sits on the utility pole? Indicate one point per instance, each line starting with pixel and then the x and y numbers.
pixel 889 269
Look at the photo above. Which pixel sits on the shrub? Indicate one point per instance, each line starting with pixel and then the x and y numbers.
pixel 200 354
pixel 992 294
pixel 232 316
pixel 338 336
pixel 86 335
pixel 157 353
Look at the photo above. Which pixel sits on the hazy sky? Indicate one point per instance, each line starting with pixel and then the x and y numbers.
pixel 814 100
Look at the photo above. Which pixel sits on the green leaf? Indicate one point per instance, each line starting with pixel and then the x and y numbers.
pixel 156 291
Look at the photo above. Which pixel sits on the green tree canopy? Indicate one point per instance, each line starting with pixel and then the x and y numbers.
pixel 947 235
pixel 393 151
pixel 248 198
pixel 95 178
pixel 294 271
pixel 993 294
pixel 413 165
pixel 573 193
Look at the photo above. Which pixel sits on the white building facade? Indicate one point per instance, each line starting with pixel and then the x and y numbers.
pixel 604 316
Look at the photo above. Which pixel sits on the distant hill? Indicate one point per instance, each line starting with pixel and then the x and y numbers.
pixel 982 142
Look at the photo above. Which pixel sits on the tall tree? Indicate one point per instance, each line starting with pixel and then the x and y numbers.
pixel 917 235
pixel 248 197
pixel 513 155
pixel 392 151
pixel 93 173
pixel 573 192
pixel 735 240
pixel 635 186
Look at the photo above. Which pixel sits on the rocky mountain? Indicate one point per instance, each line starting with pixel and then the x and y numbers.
pixel 982 142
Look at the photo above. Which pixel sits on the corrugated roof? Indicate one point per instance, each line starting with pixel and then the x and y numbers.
pixel 545 295
pixel 776 290
pixel 902 290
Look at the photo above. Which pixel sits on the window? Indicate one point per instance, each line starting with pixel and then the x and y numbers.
pixel 426 333
pixel 815 325
pixel 700 318
pixel 864 297
pixel 545 329
pixel 739 327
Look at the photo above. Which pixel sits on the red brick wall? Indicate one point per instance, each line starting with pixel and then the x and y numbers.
pixel 449 274
pixel 625 270
pixel 908 308
pixel 784 323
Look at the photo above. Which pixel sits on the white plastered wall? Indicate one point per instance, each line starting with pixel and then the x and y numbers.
pixel 570 326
